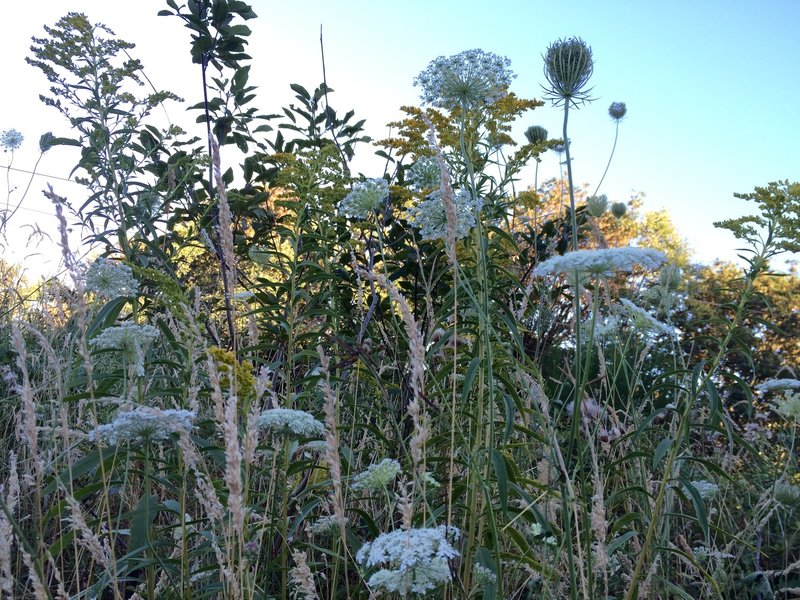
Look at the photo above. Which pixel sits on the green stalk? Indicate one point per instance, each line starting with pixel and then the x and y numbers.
pixel 485 354
pixel 573 217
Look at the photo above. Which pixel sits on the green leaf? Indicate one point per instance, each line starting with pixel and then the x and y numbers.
pixel 699 507
pixel 620 541
pixel 87 464
pixel 141 522
pixel 300 91
pixel 106 317
pixel 472 370
pixel 500 471
pixel 661 451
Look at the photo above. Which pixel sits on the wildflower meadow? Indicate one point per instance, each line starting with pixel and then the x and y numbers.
pixel 274 377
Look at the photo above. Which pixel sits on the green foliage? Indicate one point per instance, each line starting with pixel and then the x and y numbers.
pixel 588 436
pixel 777 221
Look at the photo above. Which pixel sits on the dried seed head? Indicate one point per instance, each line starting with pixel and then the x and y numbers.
pixel 568 65
pixel 597 205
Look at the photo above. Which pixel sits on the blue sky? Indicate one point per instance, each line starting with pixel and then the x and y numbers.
pixel 711 87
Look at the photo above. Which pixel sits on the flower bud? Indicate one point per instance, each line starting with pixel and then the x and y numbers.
pixel 536 134
pixel 617 110
pixel 618 209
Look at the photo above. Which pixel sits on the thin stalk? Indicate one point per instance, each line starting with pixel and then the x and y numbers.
pixel 608 164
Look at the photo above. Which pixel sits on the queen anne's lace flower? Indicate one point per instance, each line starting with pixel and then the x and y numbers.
pixel 787 493
pixel 706 489
pixel 327 525
pixel 431 219
pixel 11 139
pixel 293 422
pixel 778 384
pixel 111 279
pixel 130 339
pixel 377 476
pixel 605 328
pixel 425 174
pixel 703 553
pixel 412 561
pixel 483 575
pixel 470 79
pixel 365 198
pixel 644 321
pixel 605 261
pixel 143 423
pixel 788 405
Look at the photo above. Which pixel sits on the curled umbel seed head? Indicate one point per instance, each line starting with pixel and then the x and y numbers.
pixel 597 205
pixel 568 65
pixel 536 134
pixel 617 110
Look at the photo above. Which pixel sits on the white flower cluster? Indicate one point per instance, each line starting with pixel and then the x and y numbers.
pixel 365 198
pixel 431 219
pixel 706 489
pixel 771 385
pixel 11 139
pixel 788 406
pixel 377 476
pixel 605 261
pixel 470 79
pixel 293 422
pixel 605 328
pixel 425 174
pixel 538 531
pixel 787 493
pixel 644 321
pixel 703 553
pixel 243 296
pixel 412 561
pixel 483 575
pixel 143 423
pixel 327 525
pixel 130 339
pixel 111 279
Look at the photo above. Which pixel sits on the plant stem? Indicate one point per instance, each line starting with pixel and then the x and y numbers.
pixel 573 217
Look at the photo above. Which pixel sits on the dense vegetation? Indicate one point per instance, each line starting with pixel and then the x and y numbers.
pixel 290 381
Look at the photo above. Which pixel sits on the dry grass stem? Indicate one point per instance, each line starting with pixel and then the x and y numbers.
pixel 302 578
pixel 332 445
pixel 448 197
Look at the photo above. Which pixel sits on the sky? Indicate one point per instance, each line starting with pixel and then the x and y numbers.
pixel 711 89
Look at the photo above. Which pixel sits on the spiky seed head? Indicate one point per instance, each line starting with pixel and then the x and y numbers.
pixel 568 65
pixel 617 110
pixel 597 205
pixel 618 209
pixel 536 134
